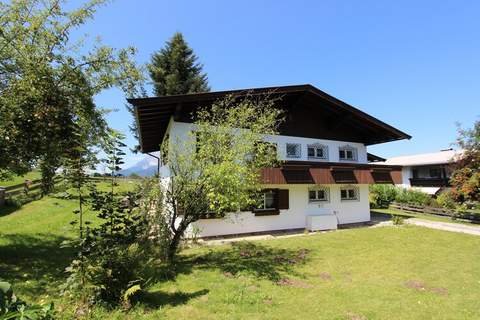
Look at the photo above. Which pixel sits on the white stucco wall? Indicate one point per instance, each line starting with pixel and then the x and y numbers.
pixel 178 132
pixel 293 218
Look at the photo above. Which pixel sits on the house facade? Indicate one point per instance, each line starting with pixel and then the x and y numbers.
pixel 428 172
pixel 323 178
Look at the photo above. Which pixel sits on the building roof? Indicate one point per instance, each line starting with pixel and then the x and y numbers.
pixel 312 113
pixel 442 157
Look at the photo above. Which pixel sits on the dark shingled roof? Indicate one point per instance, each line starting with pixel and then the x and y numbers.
pixel 310 112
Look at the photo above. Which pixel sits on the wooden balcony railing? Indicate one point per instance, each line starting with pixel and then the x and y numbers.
pixel 429 182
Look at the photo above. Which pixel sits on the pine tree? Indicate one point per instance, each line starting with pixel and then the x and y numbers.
pixel 175 69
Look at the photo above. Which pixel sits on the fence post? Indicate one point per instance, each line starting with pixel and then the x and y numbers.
pixel 2 196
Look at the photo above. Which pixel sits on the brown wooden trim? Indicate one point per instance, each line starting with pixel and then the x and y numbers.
pixel 321 173
pixel 269 212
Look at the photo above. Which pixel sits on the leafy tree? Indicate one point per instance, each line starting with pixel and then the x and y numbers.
pixel 465 178
pixel 217 169
pixel 48 81
pixel 175 70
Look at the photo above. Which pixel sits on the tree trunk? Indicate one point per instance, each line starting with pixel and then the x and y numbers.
pixel 174 243
pixel 48 174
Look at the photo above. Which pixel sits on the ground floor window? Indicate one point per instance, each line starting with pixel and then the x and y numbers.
pixel 267 200
pixel 318 195
pixel 349 193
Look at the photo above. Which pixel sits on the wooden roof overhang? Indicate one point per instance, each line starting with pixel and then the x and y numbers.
pixel 310 113
pixel 305 172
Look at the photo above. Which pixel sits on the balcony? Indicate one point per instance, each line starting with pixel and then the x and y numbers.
pixel 429 182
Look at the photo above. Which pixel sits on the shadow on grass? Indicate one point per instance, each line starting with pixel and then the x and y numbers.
pixel 158 299
pixel 33 264
pixel 8 209
pixel 247 258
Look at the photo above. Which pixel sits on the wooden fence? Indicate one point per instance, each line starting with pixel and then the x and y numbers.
pixel 472 216
pixel 35 185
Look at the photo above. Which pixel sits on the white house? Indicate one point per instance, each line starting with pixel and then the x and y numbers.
pixel 428 172
pixel 324 177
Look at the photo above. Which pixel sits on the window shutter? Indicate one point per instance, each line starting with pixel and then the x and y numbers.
pixel 283 199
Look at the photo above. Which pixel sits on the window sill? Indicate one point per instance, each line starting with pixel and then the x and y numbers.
pixel 267 212
pixel 349 200
pixel 318 201
pixel 317 158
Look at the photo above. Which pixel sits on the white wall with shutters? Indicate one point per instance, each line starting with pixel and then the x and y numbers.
pixel 295 217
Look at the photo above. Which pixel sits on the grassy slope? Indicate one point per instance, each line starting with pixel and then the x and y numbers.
pixel 348 274
pixel 33 175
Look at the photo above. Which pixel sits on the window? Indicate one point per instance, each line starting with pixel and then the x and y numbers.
pixel 317 151
pixel 267 200
pixel 294 150
pixel 347 153
pixel 435 173
pixel 318 194
pixel 349 193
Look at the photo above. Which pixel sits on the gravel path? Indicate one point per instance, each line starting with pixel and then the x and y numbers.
pixel 454 227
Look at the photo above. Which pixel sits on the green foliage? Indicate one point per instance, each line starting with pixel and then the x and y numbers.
pixel 381 195
pixel 397 220
pixel 47 83
pixel 217 169
pixel 447 200
pixel 113 256
pixel 175 70
pixel 465 178
pixel 12 308
pixel 412 196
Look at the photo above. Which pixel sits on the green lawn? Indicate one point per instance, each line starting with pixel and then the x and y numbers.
pixel 33 175
pixel 402 272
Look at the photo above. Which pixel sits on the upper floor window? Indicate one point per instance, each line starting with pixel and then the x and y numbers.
pixel 317 151
pixel 349 193
pixel 347 153
pixel 318 194
pixel 294 150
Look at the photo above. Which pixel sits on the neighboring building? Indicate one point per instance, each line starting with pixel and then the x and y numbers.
pixel 324 177
pixel 428 172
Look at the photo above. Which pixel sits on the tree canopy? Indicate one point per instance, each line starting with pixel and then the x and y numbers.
pixel 175 69
pixel 48 82
pixel 217 169
pixel 465 179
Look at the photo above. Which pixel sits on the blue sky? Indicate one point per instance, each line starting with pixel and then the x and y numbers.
pixel 412 64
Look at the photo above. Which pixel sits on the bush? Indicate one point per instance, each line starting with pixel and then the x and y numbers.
pixel 412 196
pixel 12 308
pixel 397 220
pixel 381 195
pixel 447 200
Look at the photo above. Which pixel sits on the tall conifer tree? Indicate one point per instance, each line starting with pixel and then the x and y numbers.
pixel 175 69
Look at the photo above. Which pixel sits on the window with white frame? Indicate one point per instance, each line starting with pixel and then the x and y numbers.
pixel 267 200
pixel 349 193
pixel 317 151
pixel 294 150
pixel 318 194
pixel 347 153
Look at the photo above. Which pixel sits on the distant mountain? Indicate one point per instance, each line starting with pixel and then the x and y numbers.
pixel 145 168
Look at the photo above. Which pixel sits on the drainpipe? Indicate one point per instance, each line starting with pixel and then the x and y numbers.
pixel 158 162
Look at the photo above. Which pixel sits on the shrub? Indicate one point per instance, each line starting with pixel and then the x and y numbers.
pixel 447 200
pixel 12 308
pixel 412 196
pixel 381 195
pixel 397 220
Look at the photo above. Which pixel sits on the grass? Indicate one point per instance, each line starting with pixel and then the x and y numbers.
pixel 33 175
pixel 402 272
pixel 425 216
